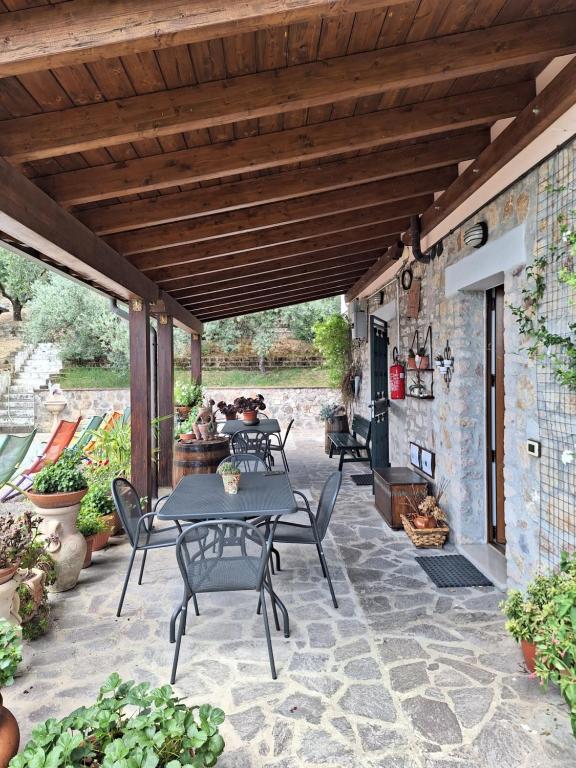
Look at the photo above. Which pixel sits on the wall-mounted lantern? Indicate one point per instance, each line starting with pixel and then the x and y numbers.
pixel 477 235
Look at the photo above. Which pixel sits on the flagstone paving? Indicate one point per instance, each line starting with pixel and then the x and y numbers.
pixel 402 675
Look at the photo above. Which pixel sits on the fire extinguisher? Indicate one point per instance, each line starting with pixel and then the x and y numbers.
pixel 397 378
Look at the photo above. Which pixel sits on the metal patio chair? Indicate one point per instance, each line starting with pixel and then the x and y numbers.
pixel 252 441
pixel 140 529
pixel 297 533
pixel 245 462
pixel 280 445
pixel 217 563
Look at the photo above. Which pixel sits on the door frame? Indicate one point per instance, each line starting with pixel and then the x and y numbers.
pixel 379 396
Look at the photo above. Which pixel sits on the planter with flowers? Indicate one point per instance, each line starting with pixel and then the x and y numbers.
pixel 230 477
pixel 186 396
pixel 249 407
pixel 91 525
pixel 426 524
pixel 57 492
pixel 10 658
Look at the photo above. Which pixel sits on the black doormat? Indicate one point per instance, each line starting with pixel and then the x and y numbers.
pixel 364 479
pixel 453 571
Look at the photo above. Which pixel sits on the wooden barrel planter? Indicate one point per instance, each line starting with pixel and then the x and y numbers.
pixel 199 457
pixel 335 424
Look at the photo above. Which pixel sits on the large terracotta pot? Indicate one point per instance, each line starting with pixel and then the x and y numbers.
pixel 529 652
pixel 183 411
pixel 9 735
pixel 10 602
pixel 7 573
pixel 100 540
pixel 67 547
pixel 89 549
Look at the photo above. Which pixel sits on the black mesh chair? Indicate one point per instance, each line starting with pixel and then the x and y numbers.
pixel 140 529
pixel 252 441
pixel 280 445
pixel 245 462
pixel 296 533
pixel 218 563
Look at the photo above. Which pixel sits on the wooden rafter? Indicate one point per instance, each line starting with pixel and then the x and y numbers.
pixel 290 146
pixel 371 274
pixel 83 30
pixel 288 184
pixel 221 313
pixel 274 215
pixel 228 101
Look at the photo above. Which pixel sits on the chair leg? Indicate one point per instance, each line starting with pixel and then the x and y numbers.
pixel 267 630
pixel 285 460
pixel 196 609
pixel 125 587
pixel 181 626
pixel 327 574
pixel 142 566
pixel 331 451
pixel 277 556
pixel 274 609
pixel 321 560
pixel 341 462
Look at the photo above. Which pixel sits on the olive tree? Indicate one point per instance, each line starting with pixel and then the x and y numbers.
pixel 18 277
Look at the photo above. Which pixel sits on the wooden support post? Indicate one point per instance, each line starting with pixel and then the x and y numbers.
pixel 165 372
pixel 196 359
pixel 139 324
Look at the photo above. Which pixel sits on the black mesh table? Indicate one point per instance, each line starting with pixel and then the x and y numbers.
pixel 269 426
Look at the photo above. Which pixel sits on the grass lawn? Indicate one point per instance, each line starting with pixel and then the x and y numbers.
pixel 104 378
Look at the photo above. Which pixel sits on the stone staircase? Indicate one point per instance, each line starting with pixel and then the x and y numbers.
pixel 33 370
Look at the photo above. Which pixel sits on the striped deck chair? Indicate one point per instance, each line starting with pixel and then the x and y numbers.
pixel 13 450
pixel 58 441
pixel 126 415
pixel 88 432
pixel 106 427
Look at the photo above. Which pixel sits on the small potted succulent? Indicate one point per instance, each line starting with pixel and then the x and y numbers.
pixel 230 477
pixel 186 396
pixel 10 658
pixel 249 407
pixel 128 724
pixel 90 525
pixel 228 410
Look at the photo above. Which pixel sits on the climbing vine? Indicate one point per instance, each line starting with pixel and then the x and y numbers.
pixel 560 349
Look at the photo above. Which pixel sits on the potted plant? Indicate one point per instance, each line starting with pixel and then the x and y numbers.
pixel 411 359
pixel 230 477
pixel 186 396
pixel 16 534
pixel 36 572
pixel 129 722
pixel 228 410
pixel 335 420
pixel 98 502
pixel 10 658
pixel 185 430
pixel 56 493
pixel 249 407
pixel 90 524
pixel 426 523
pixel 421 358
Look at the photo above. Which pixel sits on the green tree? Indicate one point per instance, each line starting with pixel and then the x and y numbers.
pixel 301 318
pixel 259 329
pixel 333 339
pixel 18 276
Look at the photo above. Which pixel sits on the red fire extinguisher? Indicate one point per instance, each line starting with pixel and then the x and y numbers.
pixel 397 378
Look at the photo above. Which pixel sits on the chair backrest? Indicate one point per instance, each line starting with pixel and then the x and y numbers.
pixel 362 427
pixel 13 450
pixel 289 427
pixel 59 440
pixel 88 432
pixel 127 503
pixel 251 441
pixel 212 560
pixel 246 462
pixel 107 426
pixel 327 502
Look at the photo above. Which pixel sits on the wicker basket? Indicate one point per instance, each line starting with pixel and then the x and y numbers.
pixel 426 537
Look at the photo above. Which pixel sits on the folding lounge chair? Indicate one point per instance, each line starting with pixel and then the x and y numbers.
pixel 88 432
pixel 106 427
pixel 13 450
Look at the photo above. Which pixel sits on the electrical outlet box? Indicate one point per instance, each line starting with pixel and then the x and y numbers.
pixel 533 447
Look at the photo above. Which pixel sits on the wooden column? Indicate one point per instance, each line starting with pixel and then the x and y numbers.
pixel 165 371
pixel 196 359
pixel 139 324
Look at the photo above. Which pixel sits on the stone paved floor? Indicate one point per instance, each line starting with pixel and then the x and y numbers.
pixel 403 675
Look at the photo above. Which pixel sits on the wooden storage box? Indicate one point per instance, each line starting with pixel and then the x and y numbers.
pixel 392 488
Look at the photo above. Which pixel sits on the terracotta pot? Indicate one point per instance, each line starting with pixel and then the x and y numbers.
pixel 56 500
pixel 183 411
pixel 231 483
pixel 424 521
pixel 89 549
pixel 100 540
pixel 115 523
pixel 529 653
pixel 34 582
pixel 9 735
pixel 231 416
pixel 10 602
pixel 187 436
pixel 197 431
pixel 250 416
pixel 205 414
pixel 7 573
pixel 412 363
pixel 204 431
pixel 422 361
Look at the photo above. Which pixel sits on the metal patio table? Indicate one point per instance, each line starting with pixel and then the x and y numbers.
pixel 269 426
pixel 261 495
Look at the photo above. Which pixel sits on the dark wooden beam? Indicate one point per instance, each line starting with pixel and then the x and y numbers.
pixel 371 274
pixel 263 190
pixel 373 236
pixel 32 218
pixel 285 147
pixel 196 359
pixel 80 31
pixel 165 378
pixel 223 102
pixel 140 400
pixel 304 209
pixel 263 276
pixel 221 314
pixel 542 112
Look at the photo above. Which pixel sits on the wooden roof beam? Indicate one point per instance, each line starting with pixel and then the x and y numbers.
pixel 80 31
pixel 290 146
pixel 222 313
pixel 31 217
pixel 273 215
pixel 288 184
pixel 299 87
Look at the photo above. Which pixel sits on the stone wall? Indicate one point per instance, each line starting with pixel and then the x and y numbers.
pixel 453 423
pixel 302 404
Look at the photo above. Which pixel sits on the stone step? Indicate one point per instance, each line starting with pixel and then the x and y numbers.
pixel 17 414
pixel 16 429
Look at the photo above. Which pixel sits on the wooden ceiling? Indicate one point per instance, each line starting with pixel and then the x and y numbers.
pixel 253 157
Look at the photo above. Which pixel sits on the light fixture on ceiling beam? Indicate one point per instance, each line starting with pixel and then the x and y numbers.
pixel 477 235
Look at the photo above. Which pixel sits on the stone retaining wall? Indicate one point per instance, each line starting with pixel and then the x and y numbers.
pixel 301 403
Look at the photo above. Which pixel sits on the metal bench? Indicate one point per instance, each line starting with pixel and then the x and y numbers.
pixel 348 445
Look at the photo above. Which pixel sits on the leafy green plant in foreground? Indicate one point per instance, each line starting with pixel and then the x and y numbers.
pixel 130 726
pixel 10 652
